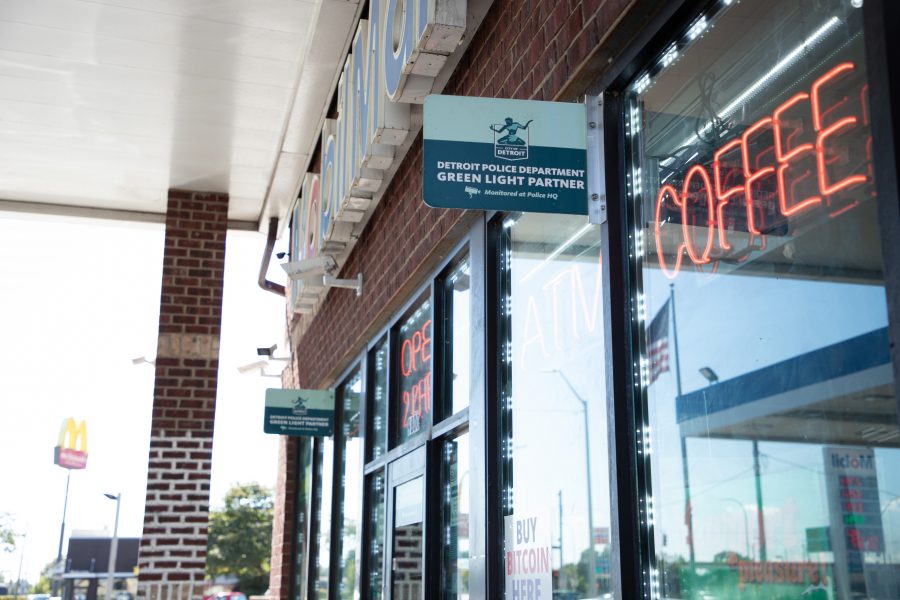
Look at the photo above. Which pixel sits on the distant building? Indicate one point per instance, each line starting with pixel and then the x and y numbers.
pixel 87 564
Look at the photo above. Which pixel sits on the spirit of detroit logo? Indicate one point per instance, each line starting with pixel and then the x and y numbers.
pixel 510 146
pixel 299 406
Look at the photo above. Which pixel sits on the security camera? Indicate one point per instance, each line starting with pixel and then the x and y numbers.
pixel 270 353
pixel 267 351
pixel 260 364
pixel 309 268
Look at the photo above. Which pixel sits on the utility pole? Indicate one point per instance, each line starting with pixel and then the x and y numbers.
pixel 58 570
pixel 760 518
pixel 113 548
pixel 21 560
pixel 592 558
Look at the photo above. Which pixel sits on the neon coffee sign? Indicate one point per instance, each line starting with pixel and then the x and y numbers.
pixel 802 158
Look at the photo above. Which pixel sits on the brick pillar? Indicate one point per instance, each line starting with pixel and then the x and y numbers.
pixel 284 520
pixel 285 509
pixel 173 545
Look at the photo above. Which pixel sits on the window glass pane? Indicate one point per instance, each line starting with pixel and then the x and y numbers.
pixel 456 338
pixel 375 537
pixel 301 523
pixel 323 511
pixel 455 517
pixel 775 465
pixel 378 402
pixel 414 353
pixel 351 484
pixel 408 551
pixel 555 493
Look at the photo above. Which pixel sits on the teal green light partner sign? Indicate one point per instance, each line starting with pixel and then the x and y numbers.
pixel 496 154
pixel 299 412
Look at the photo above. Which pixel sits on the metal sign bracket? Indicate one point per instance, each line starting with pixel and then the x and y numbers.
pixel 596 174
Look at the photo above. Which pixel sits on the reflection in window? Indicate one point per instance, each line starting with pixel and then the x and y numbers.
pixel 414 354
pixel 378 417
pixel 775 466
pixel 456 338
pixel 350 490
pixel 408 551
pixel 302 511
pixel 375 537
pixel 455 517
pixel 323 511
pixel 553 403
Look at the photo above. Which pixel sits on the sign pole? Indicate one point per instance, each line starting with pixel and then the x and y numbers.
pixel 113 548
pixel 60 567
pixel 688 512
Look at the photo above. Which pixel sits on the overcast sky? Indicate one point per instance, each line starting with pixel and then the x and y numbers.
pixel 80 300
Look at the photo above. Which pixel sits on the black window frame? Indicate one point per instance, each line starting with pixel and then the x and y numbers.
pixel 337 498
pixel 357 369
pixel 316 520
pixel 441 427
pixel 426 294
pixel 369 385
pixel 633 554
pixel 298 588
pixel 443 351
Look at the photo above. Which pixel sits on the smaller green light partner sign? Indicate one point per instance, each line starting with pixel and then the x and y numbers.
pixel 299 412
pixel 496 154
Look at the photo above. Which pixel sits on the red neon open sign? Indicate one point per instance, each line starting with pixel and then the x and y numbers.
pixel 805 156
pixel 415 380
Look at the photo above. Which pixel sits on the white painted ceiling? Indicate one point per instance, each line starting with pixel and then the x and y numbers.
pixel 106 104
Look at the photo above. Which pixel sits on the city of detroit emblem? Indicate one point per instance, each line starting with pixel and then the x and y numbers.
pixel 510 146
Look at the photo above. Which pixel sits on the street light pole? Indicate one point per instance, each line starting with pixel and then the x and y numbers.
pixel 60 567
pixel 592 559
pixel 21 560
pixel 113 548
pixel 760 515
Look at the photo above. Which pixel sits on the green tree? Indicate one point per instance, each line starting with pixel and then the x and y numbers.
pixel 7 535
pixel 46 580
pixel 240 538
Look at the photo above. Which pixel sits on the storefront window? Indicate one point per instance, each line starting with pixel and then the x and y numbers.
pixel 323 518
pixel 375 537
pixel 456 289
pixel 555 478
pixel 770 406
pixel 350 490
pixel 408 551
pixel 378 415
pixel 414 353
pixel 455 517
pixel 301 522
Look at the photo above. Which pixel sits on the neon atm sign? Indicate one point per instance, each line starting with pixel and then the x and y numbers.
pixel 807 156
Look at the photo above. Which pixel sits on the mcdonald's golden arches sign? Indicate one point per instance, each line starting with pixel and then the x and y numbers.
pixel 71 451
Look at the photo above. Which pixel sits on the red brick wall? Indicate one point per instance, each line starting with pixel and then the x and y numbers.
pixel 173 545
pixel 524 49
pixel 528 49
pixel 285 505
pixel 282 524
